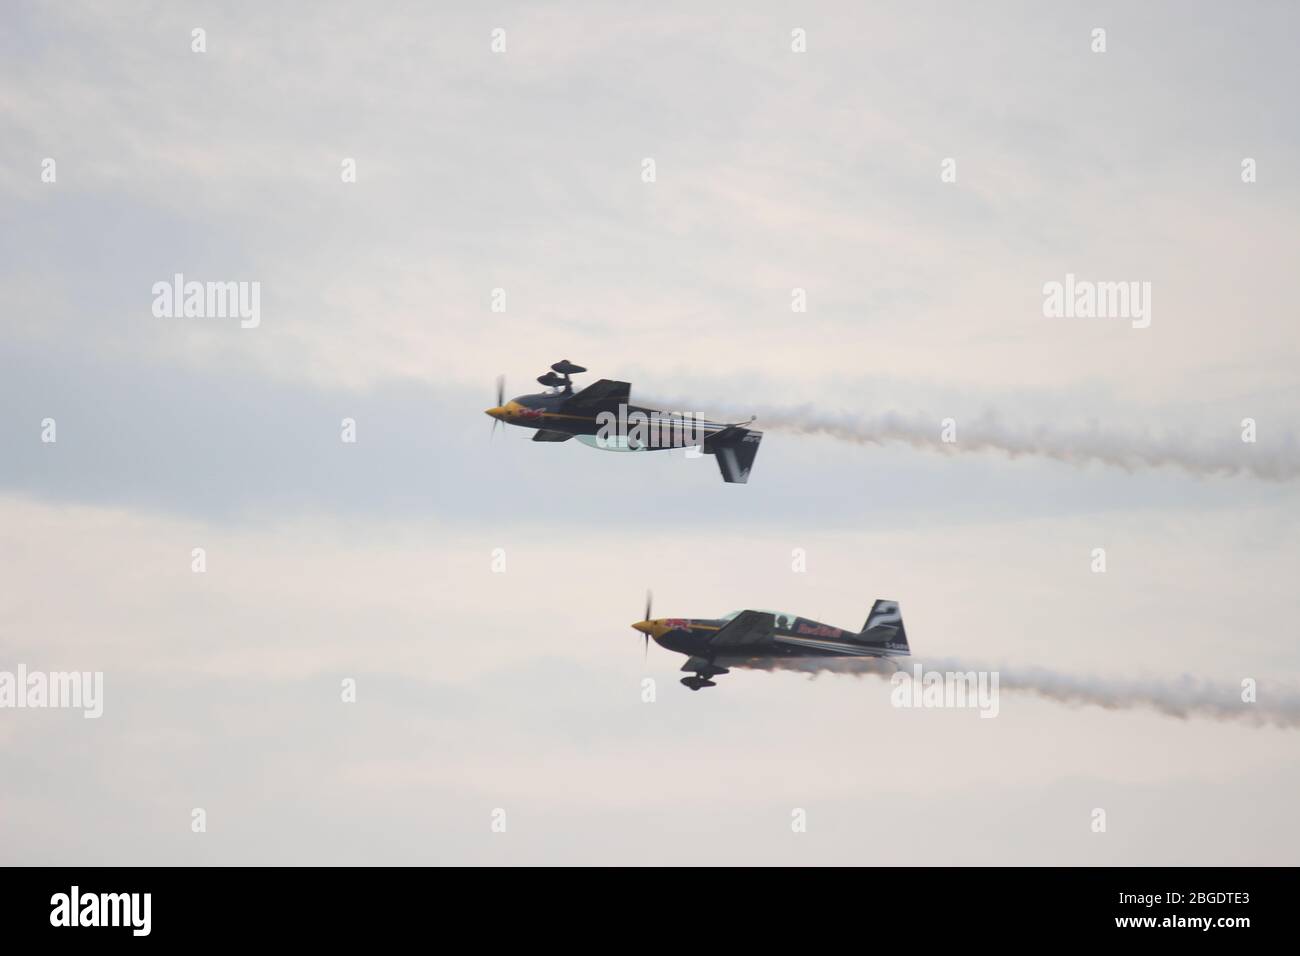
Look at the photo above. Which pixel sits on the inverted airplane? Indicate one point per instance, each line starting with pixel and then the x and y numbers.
pixel 601 416
pixel 760 638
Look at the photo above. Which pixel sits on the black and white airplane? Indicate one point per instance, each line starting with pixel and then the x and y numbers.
pixel 758 638
pixel 601 416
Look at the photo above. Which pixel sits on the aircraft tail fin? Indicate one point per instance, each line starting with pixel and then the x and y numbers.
pixel 885 626
pixel 735 448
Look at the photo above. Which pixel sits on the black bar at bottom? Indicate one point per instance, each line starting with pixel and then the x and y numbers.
pixel 910 905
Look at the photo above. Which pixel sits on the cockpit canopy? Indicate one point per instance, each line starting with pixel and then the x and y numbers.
pixel 783 619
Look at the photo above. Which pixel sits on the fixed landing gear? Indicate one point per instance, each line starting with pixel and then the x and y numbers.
pixel 698 681
pixel 702 671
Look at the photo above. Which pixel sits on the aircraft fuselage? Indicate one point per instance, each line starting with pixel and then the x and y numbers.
pixel 792 637
pixel 661 429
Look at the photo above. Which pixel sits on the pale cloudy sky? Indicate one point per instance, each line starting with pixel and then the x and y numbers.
pixel 522 170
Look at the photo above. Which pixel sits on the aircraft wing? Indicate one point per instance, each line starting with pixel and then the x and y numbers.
pixel 604 392
pixel 746 629
pixel 548 434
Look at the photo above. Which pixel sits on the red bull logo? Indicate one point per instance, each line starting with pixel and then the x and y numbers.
pixel 821 630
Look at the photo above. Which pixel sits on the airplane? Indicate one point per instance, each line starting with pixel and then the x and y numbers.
pixel 600 416
pixel 758 638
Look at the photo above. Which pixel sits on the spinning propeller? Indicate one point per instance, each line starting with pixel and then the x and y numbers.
pixel 649 603
pixel 501 400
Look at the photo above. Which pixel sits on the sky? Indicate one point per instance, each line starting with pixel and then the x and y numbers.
pixel 501 716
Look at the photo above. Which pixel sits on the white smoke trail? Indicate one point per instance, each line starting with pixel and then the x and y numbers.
pixel 1275 460
pixel 1182 698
